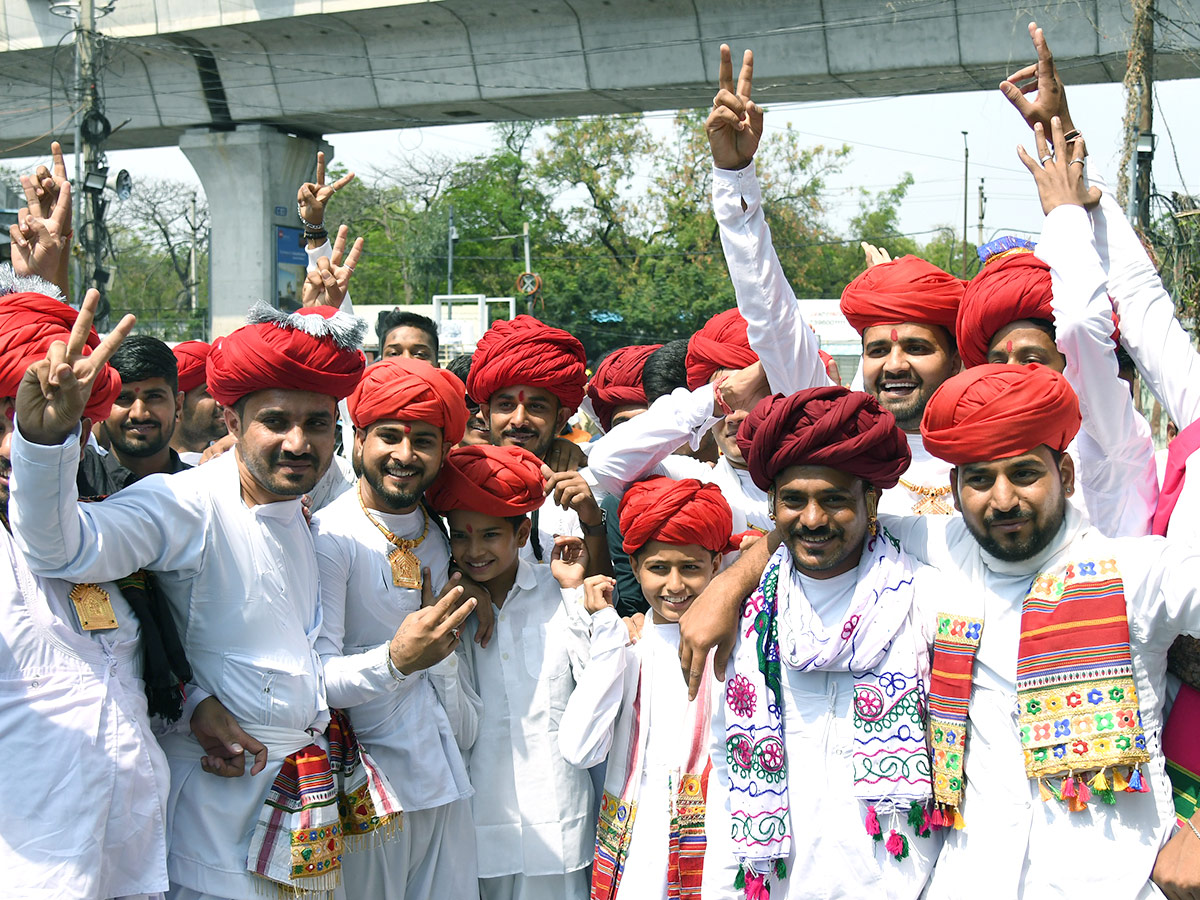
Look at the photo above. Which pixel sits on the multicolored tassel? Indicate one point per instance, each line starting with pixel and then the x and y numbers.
pixel 1083 794
pixel 917 818
pixel 959 822
pixel 1137 784
pixel 1043 791
pixel 756 887
pixel 1068 786
pixel 872 824
pixel 936 819
pixel 1119 783
pixel 897 845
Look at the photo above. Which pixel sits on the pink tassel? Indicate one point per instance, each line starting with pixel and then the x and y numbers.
pixel 872 824
pixel 926 823
pixel 936 819
pixel 1068 787
pixel 1083 794
pixel 756 887
pixel 896 845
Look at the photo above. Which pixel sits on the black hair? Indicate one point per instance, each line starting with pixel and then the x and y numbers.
pixel 141 356
pixel 535 541
pixel 392 319
pixel 461 366
pixel 665 370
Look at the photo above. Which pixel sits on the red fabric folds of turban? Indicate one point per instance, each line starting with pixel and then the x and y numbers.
pixel 995 411
pixel 1014 287
pixel 278 355
pixel 721 344
pixel 410 390
pixel 824 426
pixel 907 289
pixel 675 512
pixel 191 357
pixel 618 382
pixel 29 324
pixel 528 352
pixel 495 481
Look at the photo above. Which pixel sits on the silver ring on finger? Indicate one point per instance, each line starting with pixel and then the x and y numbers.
pixel 454 631
pixel 1080 161
pixel 1046 157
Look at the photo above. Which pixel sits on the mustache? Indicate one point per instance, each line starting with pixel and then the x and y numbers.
pixel 519 432
pixel 1002 518
pixel 815 533
pixel 285 457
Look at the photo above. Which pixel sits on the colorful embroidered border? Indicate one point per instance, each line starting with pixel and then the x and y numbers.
pixel 1181 746
pixel 1078 706
pixel 954 649
pixel 687 842
pixel 612 844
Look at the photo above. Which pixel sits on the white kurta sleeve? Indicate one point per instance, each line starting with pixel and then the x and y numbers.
pixel 1116 465
pixel 457 696
pixel 1149 330
pixel 156 524
pixel 585 732
pixel 776 329
pixel 354 678
pixel 644 443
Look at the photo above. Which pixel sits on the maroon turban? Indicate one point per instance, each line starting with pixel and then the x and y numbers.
pixel 824 426
pixel 721 344
pixel 314 349
pixel 675 512
pixel 410 390
pixel 528 352
pixel 191 356
pixel 1016 286
pixel 495 481
pixel 907 289
pixel 618 382
pixel 29 324
pixel 995 411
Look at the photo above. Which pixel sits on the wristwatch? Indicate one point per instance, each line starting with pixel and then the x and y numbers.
pixel 596 530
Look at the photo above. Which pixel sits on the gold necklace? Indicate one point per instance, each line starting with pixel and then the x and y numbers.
pixel 931 502
pixel 406 566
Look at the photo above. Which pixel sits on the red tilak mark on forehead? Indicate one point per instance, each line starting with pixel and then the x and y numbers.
pixel 407 429
pixel 1008 347
pixel 895 335
pixel 470 530
pixel 520 396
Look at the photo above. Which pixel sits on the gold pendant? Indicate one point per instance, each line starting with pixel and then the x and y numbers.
pixel 932 506
pixel 406 568
pixel 93 607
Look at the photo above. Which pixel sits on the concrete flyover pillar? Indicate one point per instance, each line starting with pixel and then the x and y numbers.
pixel 250 176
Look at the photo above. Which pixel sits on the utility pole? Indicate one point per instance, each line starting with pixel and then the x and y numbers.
pixel 85 84
pixel 982 202
pixel 528 264
pixel 1137 152
pixel 966 154
pixel 451 236
pixel 193 284
pixel 1145 142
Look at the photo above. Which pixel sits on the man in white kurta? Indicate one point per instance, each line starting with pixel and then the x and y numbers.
pixel 777 330
pixel 86 814
pixel 400 683
pixel 235 560
pixel 1015 842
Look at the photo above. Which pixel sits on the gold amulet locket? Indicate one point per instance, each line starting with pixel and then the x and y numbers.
pixel 406 565
pixel 93 607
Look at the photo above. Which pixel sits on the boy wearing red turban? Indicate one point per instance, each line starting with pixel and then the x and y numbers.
pixel 615 392
pixel 382 563
pixel 631 709
pixel 533 812
pixel 201 421
pixel 238 570
pixel 528 379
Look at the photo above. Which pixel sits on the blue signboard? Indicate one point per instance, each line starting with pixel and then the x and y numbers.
pixel 291 264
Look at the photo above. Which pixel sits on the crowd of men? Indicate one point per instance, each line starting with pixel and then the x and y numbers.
pixel 274 620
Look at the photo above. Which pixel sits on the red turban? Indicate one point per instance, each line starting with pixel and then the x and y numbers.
pixel 1016 286
pixel 413 391
pixel 29 324
pixel 313 349
pixel 824 426
pixel 907 289
pixel 618 382
pixel 495 481
pixel 675 512
pixel 191 357
pixel 995 411
pixel 528 352
pixel 721 344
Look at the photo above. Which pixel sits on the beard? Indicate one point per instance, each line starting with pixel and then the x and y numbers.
pixel 906 410
pixel 1040 536
pixel 139 447
pixel 267 473
pixel 398 499
pixel 535 442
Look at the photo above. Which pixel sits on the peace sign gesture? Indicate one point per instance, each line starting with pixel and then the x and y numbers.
pixel 40 239
pixel 1051 99
pixel 55 391
pixel 313 195
pixel 329 282
pixel 736 122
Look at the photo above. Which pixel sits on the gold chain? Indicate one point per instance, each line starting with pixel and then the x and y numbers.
pixel 406 566
pixel 931 502
pixel 926 491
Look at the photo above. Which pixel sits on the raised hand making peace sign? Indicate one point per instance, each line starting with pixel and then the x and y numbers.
pixel 735 124
pixel 55 391
pixel 314 195
pixel 328 283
